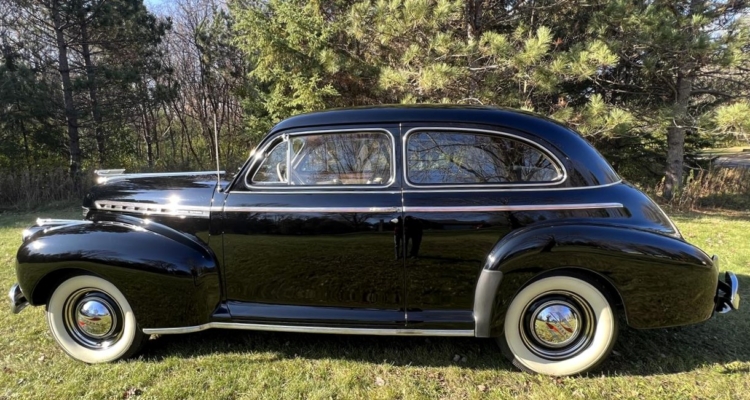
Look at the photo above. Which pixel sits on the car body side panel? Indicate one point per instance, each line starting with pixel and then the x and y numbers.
pixel 663 281
pixel 169 278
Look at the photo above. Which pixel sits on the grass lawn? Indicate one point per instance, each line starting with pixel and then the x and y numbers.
pixel 723 151
pixel 711 360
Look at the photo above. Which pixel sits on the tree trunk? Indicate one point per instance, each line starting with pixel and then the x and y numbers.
pixel 474 19
pixel 147 137
pixel 93 95
pixel 676 135
pixel 26 151
pixel 676 132
pixel 70 108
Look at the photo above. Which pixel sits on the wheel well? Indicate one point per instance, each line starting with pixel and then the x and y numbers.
pixel 47 285
pixel 598 280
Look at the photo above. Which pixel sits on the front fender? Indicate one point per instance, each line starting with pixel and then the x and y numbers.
pixel 662 281
pixel 169 278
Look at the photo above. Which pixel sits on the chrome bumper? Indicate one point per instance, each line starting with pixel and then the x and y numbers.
pixel 17 300
pixel 727 298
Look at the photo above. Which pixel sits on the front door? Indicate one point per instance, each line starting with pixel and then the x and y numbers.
pixel 310 231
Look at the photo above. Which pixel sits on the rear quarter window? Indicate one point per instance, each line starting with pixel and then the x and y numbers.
pixel 443 157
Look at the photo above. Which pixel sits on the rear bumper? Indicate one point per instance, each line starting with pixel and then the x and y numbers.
pixel 17 300
pixel 727 298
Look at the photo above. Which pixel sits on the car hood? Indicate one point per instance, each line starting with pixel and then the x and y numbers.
pixel 148 192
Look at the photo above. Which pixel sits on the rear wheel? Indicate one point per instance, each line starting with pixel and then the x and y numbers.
pixel 559 325
pixel 92 321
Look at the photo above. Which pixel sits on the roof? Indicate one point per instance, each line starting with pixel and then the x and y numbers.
pixel 412 113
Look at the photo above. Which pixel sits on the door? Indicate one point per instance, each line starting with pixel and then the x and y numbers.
pixel 459 200
pixel 308 231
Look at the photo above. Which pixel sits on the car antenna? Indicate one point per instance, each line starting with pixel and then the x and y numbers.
pixel 216 145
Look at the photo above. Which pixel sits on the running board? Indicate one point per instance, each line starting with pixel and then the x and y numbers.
pixel 309 329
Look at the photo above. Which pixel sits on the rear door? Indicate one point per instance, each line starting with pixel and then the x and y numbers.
pixel 309 236
pixel 464 189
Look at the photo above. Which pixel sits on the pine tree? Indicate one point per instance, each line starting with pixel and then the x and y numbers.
pixel 679 60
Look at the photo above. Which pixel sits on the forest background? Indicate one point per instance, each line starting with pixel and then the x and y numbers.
pixel 96 84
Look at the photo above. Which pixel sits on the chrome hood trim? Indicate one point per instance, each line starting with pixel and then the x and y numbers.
pixel 105 175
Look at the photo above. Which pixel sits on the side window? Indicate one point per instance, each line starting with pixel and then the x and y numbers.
pixel 273 169
pixel 356 158
pixel 445 157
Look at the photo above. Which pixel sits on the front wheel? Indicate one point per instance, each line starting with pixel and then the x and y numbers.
pixel 92 321
pixel 559 325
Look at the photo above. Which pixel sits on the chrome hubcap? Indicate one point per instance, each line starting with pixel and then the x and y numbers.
pixel 557 325
pixel 93 319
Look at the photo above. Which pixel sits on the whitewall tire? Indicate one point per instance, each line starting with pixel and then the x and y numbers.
pixel 559 325
pixel 92 321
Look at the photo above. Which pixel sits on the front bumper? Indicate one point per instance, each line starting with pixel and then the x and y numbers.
pixel 17 300
pixel 727 298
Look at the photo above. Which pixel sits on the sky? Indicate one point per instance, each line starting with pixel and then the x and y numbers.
pixel 151 4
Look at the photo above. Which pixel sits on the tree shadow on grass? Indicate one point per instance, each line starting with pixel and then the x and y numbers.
pixel 723 213
pixel 398 351
pixel 720 341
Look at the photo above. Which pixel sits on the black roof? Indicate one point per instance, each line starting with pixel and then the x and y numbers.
pixel 413 113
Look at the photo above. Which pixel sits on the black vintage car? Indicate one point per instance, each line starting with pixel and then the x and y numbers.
pixel 426 220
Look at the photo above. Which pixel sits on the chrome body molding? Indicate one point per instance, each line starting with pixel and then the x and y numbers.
pixel 204 211
pixel 152 208
pixel 309 329
pixel 539 207
pixel 534 207
pixel 109 172
pixel 17 299
pixel 488 188
pixel 106 175
pixel 53 221
pixel 262 190
pixel 343 210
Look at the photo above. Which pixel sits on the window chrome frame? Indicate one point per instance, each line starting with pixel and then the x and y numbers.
pixel 261 155
pixel 284 139
pixel 484 132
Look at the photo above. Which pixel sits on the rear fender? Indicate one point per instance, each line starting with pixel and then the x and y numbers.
pixel 661 281
pixel 169 278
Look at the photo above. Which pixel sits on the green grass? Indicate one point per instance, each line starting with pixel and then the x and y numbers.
pixel 710 360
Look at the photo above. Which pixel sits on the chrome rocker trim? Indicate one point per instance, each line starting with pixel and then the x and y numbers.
pixel 17 299
pixel 309 329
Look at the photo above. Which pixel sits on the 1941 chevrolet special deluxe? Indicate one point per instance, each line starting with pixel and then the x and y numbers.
pixel 425 220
